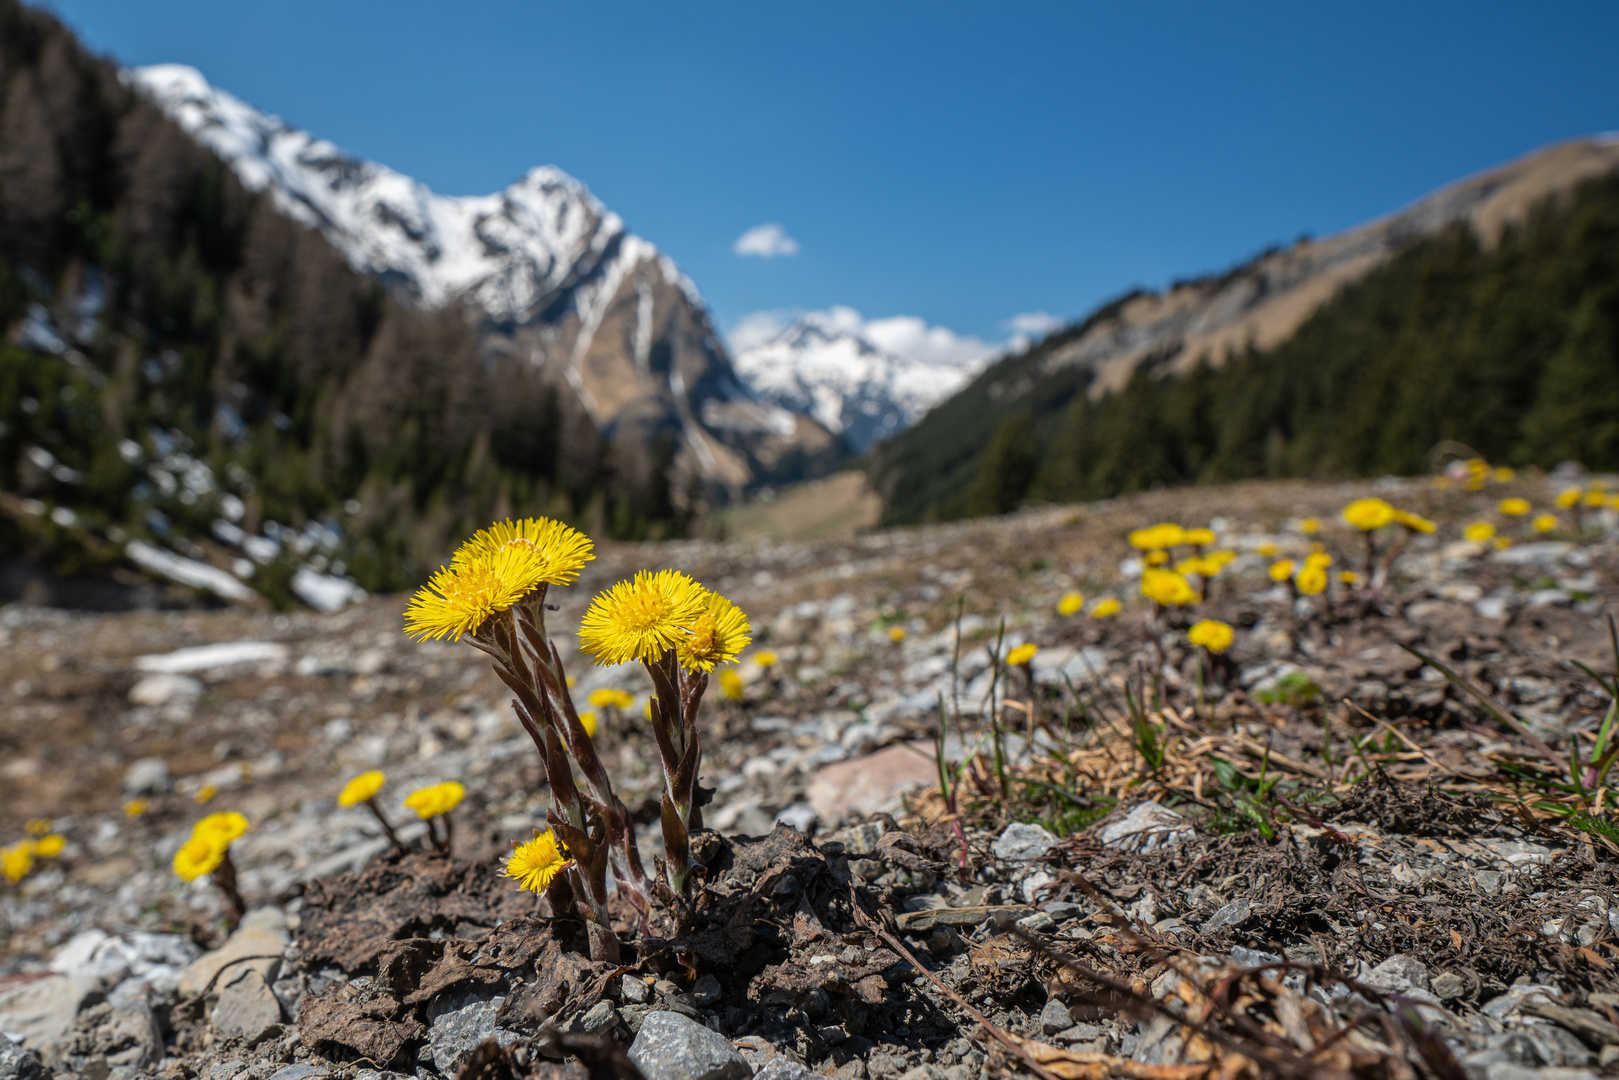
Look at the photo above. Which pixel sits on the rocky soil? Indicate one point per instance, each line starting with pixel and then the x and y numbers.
pixel 1329 860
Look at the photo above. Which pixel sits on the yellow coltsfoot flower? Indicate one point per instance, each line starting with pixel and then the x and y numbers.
pixel 897 633
pixel 198 856
pixel 1415 522
pixel 50 846
pixel 642 618
pixel 436 800
pixel 1369 514
pixel 1167 587
pixel 1281 570
pixel 17 860
pixel 1021 655
pixel 731 685
pixel 541 551
pixel 588 721
pixel 455 602
pixel 1480 532
pixel 1157 537
pixel 1545 523
pixel 361 788
pixel 1513 507
pixel 1211 634
pixel 716 636
pixel 611 697
pixel 1106 608
pixel 1070 603
pixel 536 864
pixel 220 828
pixel 765 659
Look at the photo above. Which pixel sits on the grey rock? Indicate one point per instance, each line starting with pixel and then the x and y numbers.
pixel 1232 914
pixel 147 776
pixel 1021 842
pixel 634 990
pixel 19 1064
pixel 1148 827
pixel 458 1024
pixel 162 687
pixel 258 943
pixel 1039 923
pixel 706 991
pixel 782 1067
pixel 247 1006
pixel 122 1038
pixel 42 1011
pixel 601 1017
pixel 1399 974
pixel 299 1072
pixel 227 1070
pixel 1253 957
pixel 672 1047
pixel 1447 985
pixel 1055 1017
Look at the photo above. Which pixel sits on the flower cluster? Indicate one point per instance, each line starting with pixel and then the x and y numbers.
pixel 41 843
pixel 1187 582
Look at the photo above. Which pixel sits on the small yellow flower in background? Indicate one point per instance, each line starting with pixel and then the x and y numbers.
pixel 1157 537
pixel 765 659
pixel 1310 526
pixel 1157 558
pixel 535 865
pixel 37 826
pixel 730 685
pixel 196 857
pixel 1504 475
pixel 1348 577
pixel 1106 608
pixel 1211 634
pixel 1199 537
pixel 1415 522
pixel 1281 570
pixel 1267 549
pixel 439 799
pixel 641 618
pixel 1594 499
pixel 1513 507
pixel 1167 587
pixel 1318 559
pixel 1312 579
pixel 587 720
pixel 1369 514
pixel 716 636
pixel 1479 532
pixel 136 807
pixel 896 633
pixel 1545 523
pixel 1219 560
pixel 204 793
pixel 1568 498
pixel 1501 543
pixel 1070 603
pixel 1192 566
pixel 17 860
pixel 220 828
pixel 361 788
pixel 610 697
pixel 50 846
pixel 1021 655
pixel 541 551
pixel 572 682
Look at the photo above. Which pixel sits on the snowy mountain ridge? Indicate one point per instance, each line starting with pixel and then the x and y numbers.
pixel 863 379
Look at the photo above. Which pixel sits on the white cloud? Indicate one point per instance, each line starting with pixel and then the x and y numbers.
pixel 766 241
pixel 1032 323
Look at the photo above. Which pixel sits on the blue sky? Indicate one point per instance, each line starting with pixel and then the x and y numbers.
pixel 958 162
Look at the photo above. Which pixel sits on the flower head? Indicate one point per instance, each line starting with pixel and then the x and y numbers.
pixel 535 865
pixel 1267 549
pixel 362 788
pixel 716 636
pixel 1281 570
pixel 50 846
pixel 541 551
pixel 1502 474
pixel 1070 603
pixel 1021 655
pixel 17 860
pixel 1199 537
pixel 588 721
pixel 1348 577
pixel 765 658
pixel 205 794
pixel 731 685
pixel 1211 634
pixel 1369 514
pixel 897 633
pixel 1167 587
pixel 1318 558
pixel 611 697
pixel 1568 498
pixel 220 828
pixel 1415 522
pixel 439 799
pixel 1312 579
pixel 1479 532
pixel 1157 558
pixel 1513 507
pixel 37 826
pixel 642 618
pixel 1545 523
pixel 1158 537
pixel 1106 608
pixel 196 857
pixel 457 601
pixel 135 807
pixel 1310 526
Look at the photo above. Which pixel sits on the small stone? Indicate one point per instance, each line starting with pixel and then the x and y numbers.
pixel 706 991
pixel 258 943
pixel 300 1072
pixel 1055 1017
pixel 832 1034
pixel 1022 842
pixel 1447 985
pixel 1062 909
pixel 1038 923
pixel 862 786
pixel 1232 914
pixel 247 1006
pixel 672 1047
pixel 1489 881
pixel 147 776
pixel 162 688
pixel 1399 974
pixel 227 1070
pixel 1148 827
pixel 782 1067
pixel 459 1024
pixel 42 1011
pixel 634 990
pixel 19 1064
pixel 601 1017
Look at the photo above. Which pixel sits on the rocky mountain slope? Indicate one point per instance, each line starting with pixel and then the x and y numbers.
pixel 559 280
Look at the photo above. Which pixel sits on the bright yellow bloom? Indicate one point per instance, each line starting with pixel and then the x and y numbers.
pixel 1021 655
pixel 1348 577
pixel 196 857
pixel 1513 507
pixel 1157 558
pixel 1310 526
pixel 1267 549
pixel 1504 475
pixel 1415 522
pixel 587 720
pixel 765 659
pixel 1545 523
pixel 1219 560
pixel 1568 498
pixel 1106 608
pixel 1594 499
pixel 17 860
pixel 1192 566
pixel 1281 569
pixel 1070 603
pixel 361 788
pixel 439 799
pixel 1318 558
pixel 897 633
pixel 730 685
pixel 1167 587
pixel 1312 579
pixel 1613 502
pixel 50 846
pixel 1158 537
pixel 37 826
pixel 220 828
pixel 642 618
pixel 458 601
pixel 1211 634
pixel 1477 466
pixel 716 636
pixel 1501 543
pixel 1199 537
pixel 551 553
pixel 536 864
pixel 1479 531
pixel 1368 514
pixel 205 793
pixel 135 807
pixel 609 697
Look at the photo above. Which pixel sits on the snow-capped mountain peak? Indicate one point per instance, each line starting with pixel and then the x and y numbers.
pixel 865 379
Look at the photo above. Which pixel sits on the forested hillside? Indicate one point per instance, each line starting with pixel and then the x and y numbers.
pixel 177 355
pixel 1512 349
